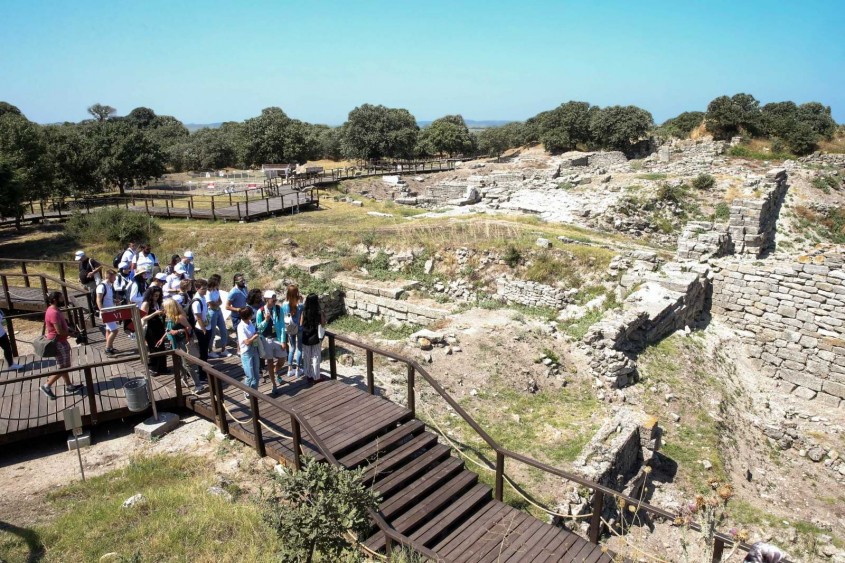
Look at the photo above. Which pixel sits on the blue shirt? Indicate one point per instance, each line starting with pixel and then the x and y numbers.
pixel 237 298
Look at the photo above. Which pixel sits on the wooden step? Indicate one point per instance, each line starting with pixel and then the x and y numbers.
pixel 399 456
pixel 422 487
pixel 462 508
pixel 382 444
pixel 394 482
pixel 487 517
pixel 514 537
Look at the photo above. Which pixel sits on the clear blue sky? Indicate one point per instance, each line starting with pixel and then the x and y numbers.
pixel 211 60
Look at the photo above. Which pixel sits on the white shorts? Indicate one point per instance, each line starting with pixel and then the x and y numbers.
pixel 273 350
pixel 111 327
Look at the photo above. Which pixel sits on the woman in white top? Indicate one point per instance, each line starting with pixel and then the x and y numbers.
pixel 248 346
pixel 7 346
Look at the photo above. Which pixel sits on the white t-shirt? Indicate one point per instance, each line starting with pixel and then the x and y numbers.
pixel 146 261
pixel 128 256
pixel 120 283
pixel 135 296
pixel 245 330
pixel 200 308
pixel 171 285
pixel 107 292
pixel 213 296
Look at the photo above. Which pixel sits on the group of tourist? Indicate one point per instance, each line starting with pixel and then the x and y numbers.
pixel 181 311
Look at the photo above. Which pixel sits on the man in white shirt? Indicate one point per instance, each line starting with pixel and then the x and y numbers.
pixel 105 298
pixel 129 254
pixel 199 306
pixel 145 258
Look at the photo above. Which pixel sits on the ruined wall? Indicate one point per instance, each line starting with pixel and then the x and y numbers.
pixel 793 313
pixel 388 304
pixel 753 222
pixel 531 293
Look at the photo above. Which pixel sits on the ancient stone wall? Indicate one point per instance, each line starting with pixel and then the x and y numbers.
pixel 793 313
pixel 531 293
pixel 753 221
pixel 389 304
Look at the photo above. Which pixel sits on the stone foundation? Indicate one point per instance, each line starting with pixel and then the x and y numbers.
pixel 793 314
pixel 753 222
pixel 371 301
pixel 532 294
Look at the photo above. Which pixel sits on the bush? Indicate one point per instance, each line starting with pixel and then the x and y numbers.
pixel 112 224
pixel 512 257
pixel 722 211
pixel 704 182
pixel 826 183
pixel 671 193
pixel 682 125
pixel 312 509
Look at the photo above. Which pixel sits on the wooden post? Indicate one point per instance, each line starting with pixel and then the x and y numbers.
pixel 268 204
pixel 256 427
pixel 595 520
pixel 500 476
pixel 10 330
pixel 239 210
pixel 32 208
pixel 147 204
pixel 283 204
pixel 44 286
pixel 371 387
pixel 718 550
pixel 297 442
pixel 212 383
pixel 87 206
pixel 213 215
pixel 230 197
pixel 6 291
pixel 64 294
pixel 412 398
pixel 25 274
pixel 62 273
pixel 89 390
pixel 177 378
pixel 167 207
pixel 224 424
pixel 190 206
pixel 332 356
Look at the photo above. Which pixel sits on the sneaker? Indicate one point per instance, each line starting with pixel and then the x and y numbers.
pixel 73 388
pixel 49 392
pixel 130 335
pixel 226 354
pixel 110 352
pixel 279 380
pixel 15 366
pixel 213 355
pixel 200 389
pixel 246 396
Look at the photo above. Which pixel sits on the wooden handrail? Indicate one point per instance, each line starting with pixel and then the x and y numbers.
pixel 722 540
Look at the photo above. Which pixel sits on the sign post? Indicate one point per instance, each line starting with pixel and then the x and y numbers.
pixel 73 422
pixel 131 312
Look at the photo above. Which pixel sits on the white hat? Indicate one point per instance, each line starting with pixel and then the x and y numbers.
pixel 140 270
pixel 122 265
pixel 189 255
pixel 161 276
pixel 80 254
pixel 269 294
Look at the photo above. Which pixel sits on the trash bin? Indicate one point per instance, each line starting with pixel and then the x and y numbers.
pixel 137 397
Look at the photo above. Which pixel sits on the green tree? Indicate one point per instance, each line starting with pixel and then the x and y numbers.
pixel 619 127
pixel 273 137
pixel 492 141
pixel 22 147
pixel 208 149
pixel 101 112
pixel 374 132
pixel 125 155
pixel 727 117
pixel 313 508
pixel 682 125
pixel 448 134
pixel 12 192
pixel 141 117
pixel 6 107
pixel 818 117
pixel 72 152
pixel 562 128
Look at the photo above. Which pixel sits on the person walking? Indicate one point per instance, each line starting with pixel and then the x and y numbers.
pixel 137 289
pixel 121 283
pixel 248 347
pixel 237 299
pixel 270 324
pixel 146 259
pixel 105 298
pixel 292 311
pixel 199 308
pixel 171 284
pixel 178 332
pixel 153 321
pixel 186 266
pixel 89 273
pixel 56 329
pixel 310 323
pixel 128 255
pixel 217 324
pixel 7 346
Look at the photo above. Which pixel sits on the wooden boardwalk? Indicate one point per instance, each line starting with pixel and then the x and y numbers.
pixel 287 201
pixel 427 493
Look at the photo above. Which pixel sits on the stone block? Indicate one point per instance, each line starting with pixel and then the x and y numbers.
pixel 833 388
pixel 84 440
pixel 152 428
pixel 804 393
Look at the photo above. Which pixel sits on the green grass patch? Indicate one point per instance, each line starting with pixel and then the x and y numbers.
pixel 652 176
pixel 743 151
pixel 350 324
pixel 180 520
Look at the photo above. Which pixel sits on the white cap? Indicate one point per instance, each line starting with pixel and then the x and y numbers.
pixel 161 276
pixel 79 255
pixel 269 294
pixel 189 255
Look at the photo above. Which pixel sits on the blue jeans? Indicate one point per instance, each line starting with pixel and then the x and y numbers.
pixel 217 323
pixel 294 349
pixel 249 360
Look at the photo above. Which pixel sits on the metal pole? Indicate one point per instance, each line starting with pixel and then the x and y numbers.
pixel 140 331
pixel 79 454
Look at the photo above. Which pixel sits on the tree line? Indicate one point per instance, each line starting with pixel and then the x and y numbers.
pixel 110 152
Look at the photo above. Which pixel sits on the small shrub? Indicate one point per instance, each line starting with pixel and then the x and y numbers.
pixel 704 182
pixel 512 257
pixel 722 211
pixel 112 224
pixel 652 176
pixel 545 268
pixel 826 183
pixel 671 193
pixel 565 186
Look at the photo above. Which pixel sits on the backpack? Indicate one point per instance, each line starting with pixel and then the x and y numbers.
pixel 117 258
pixel 189 312
pixel 310 336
